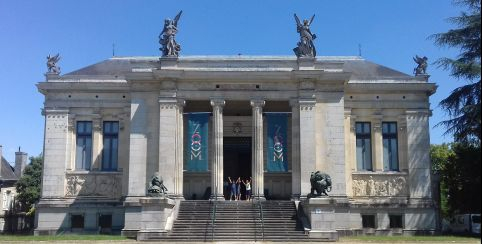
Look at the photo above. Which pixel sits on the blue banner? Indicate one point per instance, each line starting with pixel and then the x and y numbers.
pixel 277 144
pixel 196 145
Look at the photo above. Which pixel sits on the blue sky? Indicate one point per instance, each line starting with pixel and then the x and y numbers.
pixel 83 32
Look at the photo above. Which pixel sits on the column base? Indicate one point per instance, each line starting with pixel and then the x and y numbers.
pixel 258 198
pixel 216 198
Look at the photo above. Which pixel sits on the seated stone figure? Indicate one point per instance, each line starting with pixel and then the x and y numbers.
pixel 156 187
pixel 321 183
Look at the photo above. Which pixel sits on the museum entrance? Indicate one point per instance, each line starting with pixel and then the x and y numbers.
pixel 237 160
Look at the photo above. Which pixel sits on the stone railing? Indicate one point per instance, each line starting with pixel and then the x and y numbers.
pixel 391 184
pixel 93 184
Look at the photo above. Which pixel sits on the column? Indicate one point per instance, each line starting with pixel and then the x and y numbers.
pixel 217 166
pixel 295 150
pixel 257 149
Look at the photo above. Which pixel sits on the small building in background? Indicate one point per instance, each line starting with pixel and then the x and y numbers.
pixel 8 177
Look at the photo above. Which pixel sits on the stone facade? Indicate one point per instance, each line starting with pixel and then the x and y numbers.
pixel 149 97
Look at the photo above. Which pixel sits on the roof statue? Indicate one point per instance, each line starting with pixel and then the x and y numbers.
pixel 305 47
pixel 52 64
pixel 169 46
pixel 421 68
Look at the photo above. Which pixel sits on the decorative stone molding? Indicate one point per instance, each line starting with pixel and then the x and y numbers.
pixel 307 104
pixel 379 184
pixel 90 184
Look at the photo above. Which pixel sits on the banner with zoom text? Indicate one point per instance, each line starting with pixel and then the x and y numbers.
pixel 277 144
pixel 196 142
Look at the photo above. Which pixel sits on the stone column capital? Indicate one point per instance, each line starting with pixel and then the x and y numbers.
pixel 218 102
pixel 257 103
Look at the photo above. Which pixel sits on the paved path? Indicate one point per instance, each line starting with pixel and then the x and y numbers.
pixel 233 242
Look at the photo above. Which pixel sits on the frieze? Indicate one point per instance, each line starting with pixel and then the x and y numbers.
pixel 93 185
pixel 379 185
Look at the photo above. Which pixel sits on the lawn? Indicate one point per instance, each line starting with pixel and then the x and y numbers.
pixel 62 237
pixel 432 239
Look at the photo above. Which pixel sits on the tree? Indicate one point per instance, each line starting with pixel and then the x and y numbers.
pixel 463 104
pixel 28 186
pixel 440 156
pixel 459 166
pixel 462 178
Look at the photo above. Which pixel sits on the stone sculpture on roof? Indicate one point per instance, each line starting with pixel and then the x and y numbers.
pixel 52 64
pixel 421 68
pixel 305 47
pixel 169 46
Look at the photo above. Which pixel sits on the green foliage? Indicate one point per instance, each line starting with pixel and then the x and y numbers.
pixel 440 156
pixel 461 176
pixel 463 104
pixel 459 166
pixel 28 186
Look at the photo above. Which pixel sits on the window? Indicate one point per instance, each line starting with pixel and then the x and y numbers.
pixel 390 146
pixel 368 221
pixel 396 221
pixel 111 144
pixel 77 221
pixel 363 146
pixel 83 154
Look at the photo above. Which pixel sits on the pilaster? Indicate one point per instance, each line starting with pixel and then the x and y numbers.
pixel 257 149
pixel 138 146
pixel 97 141
pixel 418 148
pixel 170 166
pixel 377 150
pixel 55 152
pixel 295 150
pixel 217 166
pixel 307 143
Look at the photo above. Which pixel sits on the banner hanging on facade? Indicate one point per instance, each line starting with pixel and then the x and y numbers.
pixel 196 145
pixel 277 144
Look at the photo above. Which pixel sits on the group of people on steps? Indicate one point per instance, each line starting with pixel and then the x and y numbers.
pixel 234 188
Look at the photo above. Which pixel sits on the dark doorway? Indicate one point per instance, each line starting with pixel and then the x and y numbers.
pixel 237 159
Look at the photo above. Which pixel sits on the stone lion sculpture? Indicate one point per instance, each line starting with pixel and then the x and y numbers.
pixel 156 186
pixel 320 183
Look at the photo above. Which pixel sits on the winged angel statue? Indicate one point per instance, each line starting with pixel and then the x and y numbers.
pixel 305 47
pixel 170 48
pixel 421 68
pixel 52 64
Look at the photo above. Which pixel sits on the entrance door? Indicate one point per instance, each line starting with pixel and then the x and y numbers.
pixel 237 160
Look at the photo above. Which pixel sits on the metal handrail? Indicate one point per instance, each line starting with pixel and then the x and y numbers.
pixel 262 219
pixel 213 220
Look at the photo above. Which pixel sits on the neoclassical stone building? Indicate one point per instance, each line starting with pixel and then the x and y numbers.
pixel 195 120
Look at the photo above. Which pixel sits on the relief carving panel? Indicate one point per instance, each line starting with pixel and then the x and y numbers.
pixel 379 185
pixel 93 185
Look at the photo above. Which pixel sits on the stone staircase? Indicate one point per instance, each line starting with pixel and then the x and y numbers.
pixel 237 221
